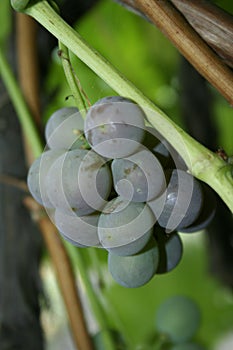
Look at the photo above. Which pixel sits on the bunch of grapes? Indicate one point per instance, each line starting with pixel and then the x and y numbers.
pixel 112 183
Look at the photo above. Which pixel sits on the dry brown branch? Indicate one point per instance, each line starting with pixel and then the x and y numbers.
pixel 64 273
pixel 28 63
pixel 13 181
pixel 213 24
pixel 28 77
pixel 168 19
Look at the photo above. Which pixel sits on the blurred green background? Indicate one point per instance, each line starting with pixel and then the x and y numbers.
pixel 148 59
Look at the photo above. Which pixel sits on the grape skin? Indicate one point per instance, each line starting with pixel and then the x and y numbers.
pixel 207 213
pixel 170 251
pixel 36 179
pixel 79 229
pixel 181 203
pixel 135 270
pixel 79 181
pixel 114 127
pixel 64 129
pixel 125 226
pixel 178 317
pixel 142 175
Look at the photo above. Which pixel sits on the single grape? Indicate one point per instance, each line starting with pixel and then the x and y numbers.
pixel 125 227
pixel 114 127
pixel 181 203
pixel 36 179
pixel 139 177
pixel 64 129
pixel 79 229
pixel 170 251
pixel 79 181
pixel 135 270
pixel 187 346
pixel 207 213
pixel 178 317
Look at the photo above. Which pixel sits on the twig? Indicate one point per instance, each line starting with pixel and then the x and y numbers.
pixel 64 273
pixel 27 59
pixel 213 24
pixel 165 16
pixel 13 181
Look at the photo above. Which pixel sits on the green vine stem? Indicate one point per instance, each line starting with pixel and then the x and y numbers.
pixel 71 79
pixel 202 163
pixel 20 105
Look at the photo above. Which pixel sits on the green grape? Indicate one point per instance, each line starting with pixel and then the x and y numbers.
pixel 170 251
pixel 179 318
pixel 124 227
pixel 135 270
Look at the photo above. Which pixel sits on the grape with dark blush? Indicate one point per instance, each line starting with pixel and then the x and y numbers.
pixel 36 179
pixel 79 182
pixel 170 250
pixel 64 129
pixel 79 229
pixel 139 177
pixel 181 203
pixel 207 213
pixel 114 127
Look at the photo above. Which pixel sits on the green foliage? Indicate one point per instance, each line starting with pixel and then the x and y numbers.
pixel 5 20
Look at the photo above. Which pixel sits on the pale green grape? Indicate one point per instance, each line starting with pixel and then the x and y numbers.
pixel 178 317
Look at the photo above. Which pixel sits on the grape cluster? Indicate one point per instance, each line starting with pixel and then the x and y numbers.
pixel 112 183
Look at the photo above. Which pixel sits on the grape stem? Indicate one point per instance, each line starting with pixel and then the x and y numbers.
pixel 202 163
pixel 72 79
